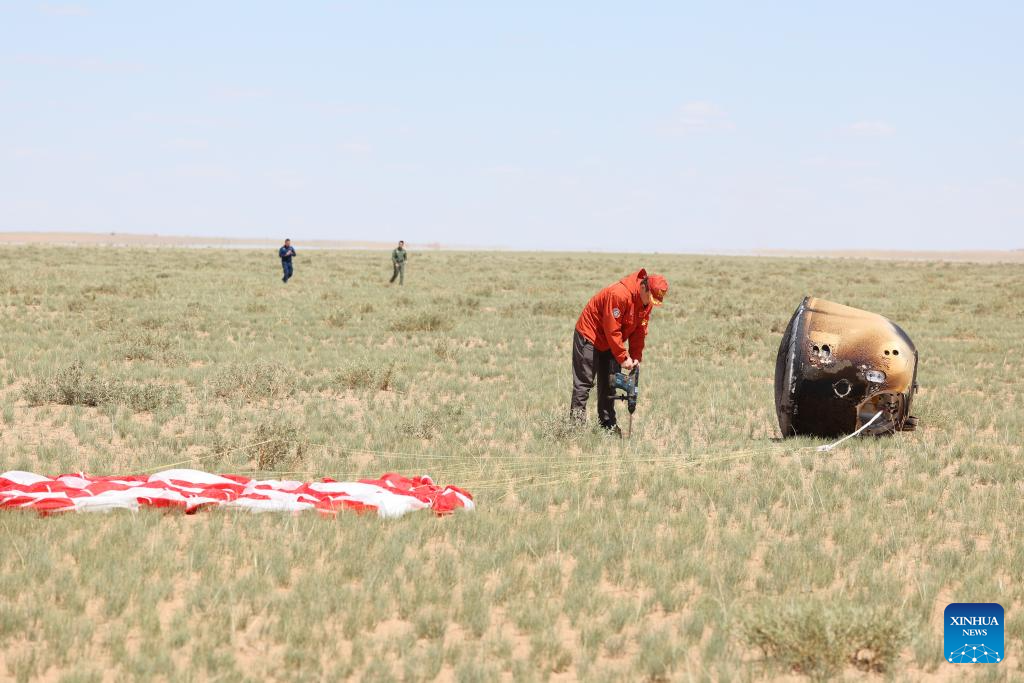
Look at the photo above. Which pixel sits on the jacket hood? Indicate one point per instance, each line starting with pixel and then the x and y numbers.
pixel 633 281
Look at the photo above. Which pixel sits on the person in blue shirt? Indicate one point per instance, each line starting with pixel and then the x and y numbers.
pixel 286 253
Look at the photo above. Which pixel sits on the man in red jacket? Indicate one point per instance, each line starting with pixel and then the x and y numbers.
pixel 614 317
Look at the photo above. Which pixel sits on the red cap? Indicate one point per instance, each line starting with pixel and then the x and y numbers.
pixel 657 285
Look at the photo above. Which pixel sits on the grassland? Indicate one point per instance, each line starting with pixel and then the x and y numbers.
pixel 701 549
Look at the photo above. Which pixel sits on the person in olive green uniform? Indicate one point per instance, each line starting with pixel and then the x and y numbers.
pixel 398 257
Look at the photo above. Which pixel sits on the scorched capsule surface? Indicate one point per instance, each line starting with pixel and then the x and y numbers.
pixel 838 367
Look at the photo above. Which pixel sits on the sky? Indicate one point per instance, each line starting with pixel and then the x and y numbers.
pixel 665 127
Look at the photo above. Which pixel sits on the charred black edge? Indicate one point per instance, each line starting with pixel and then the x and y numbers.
pixel 784 367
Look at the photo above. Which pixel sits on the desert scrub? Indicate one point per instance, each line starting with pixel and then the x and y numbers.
pixel 74 386
pixel 253 381
pixel 338 319
pixel 444 350
pixel 277 443
pixel 432 422
pixel 365 376
pixel 424 321
pixel 818 639
pixel 658 656
pixel 560 309
pixel 150 344
pixel 646 533
pixel 562 429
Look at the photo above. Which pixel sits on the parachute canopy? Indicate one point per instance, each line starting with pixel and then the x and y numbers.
pixel 391 495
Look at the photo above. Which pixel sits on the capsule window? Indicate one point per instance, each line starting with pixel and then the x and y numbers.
pixel 876 376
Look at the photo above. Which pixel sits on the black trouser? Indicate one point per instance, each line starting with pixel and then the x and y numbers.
pixel 588 362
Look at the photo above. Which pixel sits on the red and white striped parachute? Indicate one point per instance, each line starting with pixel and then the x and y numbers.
pixel 391 495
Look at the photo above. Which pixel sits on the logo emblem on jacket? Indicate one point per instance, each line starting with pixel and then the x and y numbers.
pixel 616 313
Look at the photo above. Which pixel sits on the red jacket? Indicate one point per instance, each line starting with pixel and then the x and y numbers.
pixel 616 315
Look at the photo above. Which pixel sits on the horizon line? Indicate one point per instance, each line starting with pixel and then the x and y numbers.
pixel 157 240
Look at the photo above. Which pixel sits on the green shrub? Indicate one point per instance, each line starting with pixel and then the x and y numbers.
pixel 558 309
pixel 338 319
pixel 254 381
pixel 658 655
pixel 818 639
pixel 73 386
pixel 562 428
pixel 430 623
pixel 423 322
pixel 364 375
pixel 144 397
pixel 444 351
pixel 150 344
pixel 276 442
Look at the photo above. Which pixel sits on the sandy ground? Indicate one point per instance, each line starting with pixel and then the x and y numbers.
pixel 132 240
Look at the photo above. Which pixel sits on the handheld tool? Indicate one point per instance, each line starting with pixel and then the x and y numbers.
pixel 629 385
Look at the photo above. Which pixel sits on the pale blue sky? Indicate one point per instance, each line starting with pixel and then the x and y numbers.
pixel 642 126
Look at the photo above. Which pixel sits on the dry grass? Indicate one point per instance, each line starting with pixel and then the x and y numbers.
pixel 700 549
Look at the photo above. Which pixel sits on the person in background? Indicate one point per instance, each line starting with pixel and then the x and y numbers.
pixel 286 253
pixel 398 257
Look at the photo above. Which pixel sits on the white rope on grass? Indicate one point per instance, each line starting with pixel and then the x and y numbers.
pixel 828 447
pixel 558 465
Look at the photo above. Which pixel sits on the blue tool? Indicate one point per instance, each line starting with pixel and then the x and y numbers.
pixel 629 385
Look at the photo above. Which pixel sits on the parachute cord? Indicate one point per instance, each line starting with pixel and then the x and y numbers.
pixel 828 447
pixel 558 466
